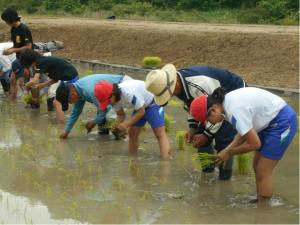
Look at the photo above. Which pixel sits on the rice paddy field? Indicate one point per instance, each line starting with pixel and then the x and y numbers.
pixel 91 179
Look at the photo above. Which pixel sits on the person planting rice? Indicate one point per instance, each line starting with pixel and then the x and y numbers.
pixel 36 95
pixel 56 68
pixel 22 39
pixel 83 91
pixel 265 123
pixel 187 84
pixel 133 94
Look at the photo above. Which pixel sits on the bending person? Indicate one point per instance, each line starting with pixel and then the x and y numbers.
pixel 265 123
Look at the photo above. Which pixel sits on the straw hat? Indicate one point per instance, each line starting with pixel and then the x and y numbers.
pixel 161 83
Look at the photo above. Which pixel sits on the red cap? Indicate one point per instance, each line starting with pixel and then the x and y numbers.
pixel 102 92
pixel 198 108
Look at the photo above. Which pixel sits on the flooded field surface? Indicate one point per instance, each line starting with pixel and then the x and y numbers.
pixel 91 179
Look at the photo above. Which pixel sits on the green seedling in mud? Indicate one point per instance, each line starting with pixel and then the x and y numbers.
pixel 81 126
pixel 243 163
pixel 75 210
pixel 151 62
pixel 78 158
pixel 205 159
pixel 168 120
pixel 180 139
pixel 181 144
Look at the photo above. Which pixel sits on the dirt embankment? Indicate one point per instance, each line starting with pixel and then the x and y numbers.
pixel 265 55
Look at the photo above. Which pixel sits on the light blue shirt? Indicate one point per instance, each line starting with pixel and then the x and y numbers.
pixel 85 88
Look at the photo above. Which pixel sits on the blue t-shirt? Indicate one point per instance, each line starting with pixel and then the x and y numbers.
pixel 85 88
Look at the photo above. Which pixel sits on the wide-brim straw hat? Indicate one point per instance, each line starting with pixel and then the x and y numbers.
pixel 161 83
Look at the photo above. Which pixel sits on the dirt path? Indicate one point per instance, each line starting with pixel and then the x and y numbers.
pixel 265 55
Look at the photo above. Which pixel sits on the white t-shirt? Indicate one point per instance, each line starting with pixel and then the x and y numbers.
pixel 6 45
pixel 134 95
pixel 5 63
pixel 250 107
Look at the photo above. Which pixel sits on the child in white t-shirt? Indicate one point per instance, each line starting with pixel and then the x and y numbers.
pixel 133 94
pixel 265 124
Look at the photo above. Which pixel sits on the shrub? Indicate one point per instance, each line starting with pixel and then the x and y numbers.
pixel 249 16
pixel 122 9
pixel 151 62
pixel 142 8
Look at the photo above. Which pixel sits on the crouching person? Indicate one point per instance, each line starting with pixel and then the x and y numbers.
pixel 133 94
pixel 83 91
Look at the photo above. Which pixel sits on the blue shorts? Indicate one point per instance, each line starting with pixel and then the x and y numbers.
pixel 276 138
pixel 6 76
pixel 154 115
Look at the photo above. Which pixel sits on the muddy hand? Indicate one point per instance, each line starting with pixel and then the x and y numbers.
pixel 122 127
pixel 64 135
pixel 222 157
pixel 199 140
pixel 188 137
pixel 89 126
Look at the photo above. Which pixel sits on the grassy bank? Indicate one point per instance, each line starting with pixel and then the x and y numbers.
pixel 223 16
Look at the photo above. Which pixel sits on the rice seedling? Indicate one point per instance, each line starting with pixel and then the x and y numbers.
pixel 180 140
pixel 28 98
pixel 205 159
pixel 151 62
pixel 81 126
pixel 109 124
pixel 243 163
pixel 168 120
pixel 174 103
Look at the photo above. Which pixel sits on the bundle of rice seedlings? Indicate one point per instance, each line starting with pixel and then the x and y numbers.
pixel 243 163
pixel 28 98
pixel 180 140
pixel 151 62
pixel 174 103
pixel 205 159
pixel 168 119
pixel 110 124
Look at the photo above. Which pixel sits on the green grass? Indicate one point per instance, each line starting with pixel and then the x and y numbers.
pixel 223 16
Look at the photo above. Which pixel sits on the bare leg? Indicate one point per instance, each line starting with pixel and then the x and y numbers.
pixel 264 177
pixel 133 144
pixel 254 165
pixel 60 115
pixel 13 86
pixel 163 141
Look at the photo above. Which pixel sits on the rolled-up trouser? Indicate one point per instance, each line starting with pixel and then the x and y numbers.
pixel 222 138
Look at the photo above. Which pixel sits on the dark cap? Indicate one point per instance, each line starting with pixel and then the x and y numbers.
pixel 62 95
pixel 17 68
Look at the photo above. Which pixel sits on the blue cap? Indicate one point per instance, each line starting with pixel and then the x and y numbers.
pixel 17 68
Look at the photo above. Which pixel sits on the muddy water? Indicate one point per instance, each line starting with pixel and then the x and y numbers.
pixel 92 179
